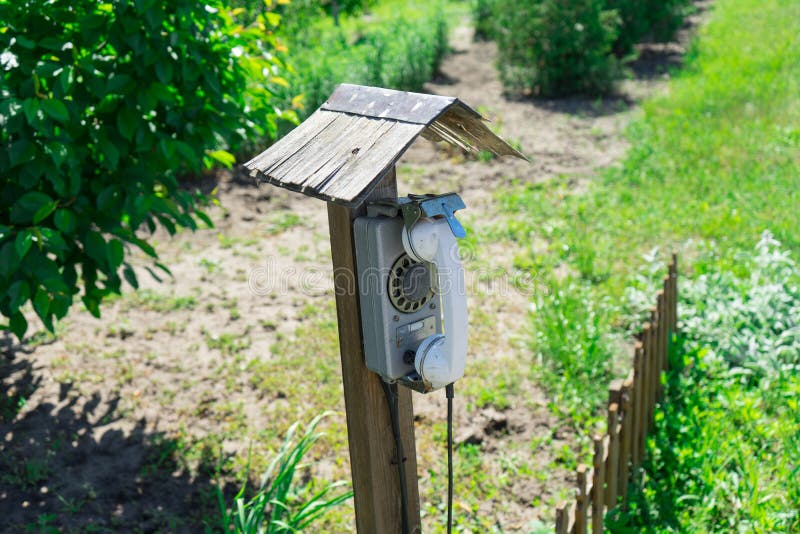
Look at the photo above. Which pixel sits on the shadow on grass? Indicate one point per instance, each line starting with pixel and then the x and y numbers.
pixel 72 464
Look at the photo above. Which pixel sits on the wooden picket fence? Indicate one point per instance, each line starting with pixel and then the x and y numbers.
pixel 631 402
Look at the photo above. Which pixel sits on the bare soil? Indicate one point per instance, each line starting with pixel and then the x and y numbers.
pixel 114 423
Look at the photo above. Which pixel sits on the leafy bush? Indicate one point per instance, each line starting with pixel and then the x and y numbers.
pixel 657 19
pixel 725 453
pixel 557 47
pixel 102 106
pixel 483 18
pixel 280 505
pixel 748 321
pixel 400 50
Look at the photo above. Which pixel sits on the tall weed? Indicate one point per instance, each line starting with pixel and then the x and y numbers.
pixel 281 504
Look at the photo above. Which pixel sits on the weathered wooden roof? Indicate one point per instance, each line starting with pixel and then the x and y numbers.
pixel 346 146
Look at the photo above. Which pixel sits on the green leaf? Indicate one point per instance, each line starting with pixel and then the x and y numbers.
pixel 53 241
pixel 20 152
pixel 55 109
pixel 65 220
pixel 110 153
pixel 118 82
pixel 31 108
pixel 18 325
pixel 18 294
pixel 223 157
pixel 115 253
pixel 43 212
pixel 23 242
pixel 9 259
pixel 41 303
pixel 28 205
pixel 95 247
pixel 130 276
pixel 126 123
pixel 205 218
pixel 92 304
pixel 57 152
pixel 164 71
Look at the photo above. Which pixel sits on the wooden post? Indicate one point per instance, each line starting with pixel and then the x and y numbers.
pixel 562 518
pixel 612 464
pixel 656 372
pixel 598 481
pixel 581 501
pixel 638 405
pixel 662 337
pixel 376 482
pixel 675 292
pixel 648 367
pixel 625 436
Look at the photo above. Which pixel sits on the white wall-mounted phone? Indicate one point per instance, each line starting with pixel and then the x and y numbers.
pixel 412 293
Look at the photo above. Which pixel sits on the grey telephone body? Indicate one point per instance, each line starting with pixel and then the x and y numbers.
pixel 399 301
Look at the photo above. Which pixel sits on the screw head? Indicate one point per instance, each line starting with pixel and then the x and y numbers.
pixel 396 318
pixel 433 305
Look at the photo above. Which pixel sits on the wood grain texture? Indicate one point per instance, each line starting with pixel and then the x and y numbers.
pixel 581 501
pixel 345 148
pixel 562 518
pixel 612 464
pixel 369 430
pixel 598 483
pixel 638 407
pixel 625 436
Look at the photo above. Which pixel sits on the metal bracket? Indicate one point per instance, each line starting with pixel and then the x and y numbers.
pixel 415 382
pixel 415 207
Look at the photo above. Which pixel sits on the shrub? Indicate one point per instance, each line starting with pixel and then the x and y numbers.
pixel 102 106
pixel 750 321
pixel 401 50
pixel 557 47
pixel 657 19
pixel 483 18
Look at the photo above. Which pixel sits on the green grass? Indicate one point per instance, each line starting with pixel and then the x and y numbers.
pixel 713 163
pixel 725 456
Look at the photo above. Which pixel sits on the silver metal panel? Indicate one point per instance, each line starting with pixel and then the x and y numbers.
pixel 388 333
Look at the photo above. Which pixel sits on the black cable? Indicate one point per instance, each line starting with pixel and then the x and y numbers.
pixel 450 394
pixel 391 397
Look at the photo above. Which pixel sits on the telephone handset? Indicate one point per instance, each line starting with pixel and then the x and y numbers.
pixel 412 293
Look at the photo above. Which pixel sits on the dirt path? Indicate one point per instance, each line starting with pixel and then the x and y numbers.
pixel 121 420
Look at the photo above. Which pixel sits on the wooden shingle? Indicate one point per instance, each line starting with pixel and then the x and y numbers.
pixel 345 147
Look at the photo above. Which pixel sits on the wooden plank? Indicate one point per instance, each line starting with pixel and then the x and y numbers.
pixel 638 406
pixel 581 501
pixel 656 371
pixel 369 430
pixel 562 518
pixel 287 146
pixel 662 338
pixel 675 292
pixel 668 312
pixel 377 102
pixel 598 483
pixel 612 463
pixel 625 436
pixel 361 173
pixel 473 133
pixel 647 383
pixel 371 133
pixel 318 150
